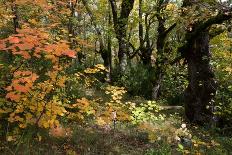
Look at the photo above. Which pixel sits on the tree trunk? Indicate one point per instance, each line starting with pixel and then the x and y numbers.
pixel 156 86
pixel 120 27
pixel 15 18
pixel 122 55
pixel 202 85
pixel 160 62
pixel 108 63
pixel 146 56
pixel 106 56
pixel 162 49
pixel 105 50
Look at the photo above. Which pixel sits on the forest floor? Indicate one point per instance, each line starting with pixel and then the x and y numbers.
pixel 163 137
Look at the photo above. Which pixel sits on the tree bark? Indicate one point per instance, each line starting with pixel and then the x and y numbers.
pixel 145 47
pixel 162 50
pixel 122 54
pixel 202 84
pixel 120 27
pixel 16 17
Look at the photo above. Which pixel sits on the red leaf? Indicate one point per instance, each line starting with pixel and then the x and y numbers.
pixel 70 53
pixel 13 40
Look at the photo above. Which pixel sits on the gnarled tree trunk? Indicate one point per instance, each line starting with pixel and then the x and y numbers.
pixel 202 85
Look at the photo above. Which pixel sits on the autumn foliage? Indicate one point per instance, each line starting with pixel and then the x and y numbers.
pixel 32 89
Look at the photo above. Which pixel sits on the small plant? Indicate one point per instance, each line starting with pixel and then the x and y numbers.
pixel 146 112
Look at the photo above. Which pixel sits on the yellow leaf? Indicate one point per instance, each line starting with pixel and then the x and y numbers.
pixel 100 121
pixel 46 124
pixel 10 138
pixel 39 137
pixel 33 21
pixel 23 126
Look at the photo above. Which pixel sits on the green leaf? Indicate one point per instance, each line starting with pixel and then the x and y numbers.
pixel 180 146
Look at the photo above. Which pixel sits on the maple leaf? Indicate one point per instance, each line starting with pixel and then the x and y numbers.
pixel 2 45
pixel 69 53
pixel 25 46
pixel 34 77
pixel 37 52
pixel 21 88
pixel 26 72
pixel 13 40
pixel 9 88
pixel 13 96
pixel 17 73
pixel 24 54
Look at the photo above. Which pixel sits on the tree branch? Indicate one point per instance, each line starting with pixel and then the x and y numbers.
pixel 114 13
pixel 93 20
pixel 170 29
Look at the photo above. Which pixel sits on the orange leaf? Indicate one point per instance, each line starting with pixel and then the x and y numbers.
pixel 19 35
pixel 70 53
pixel 21 88
pixel 34 77
pixel 13 40
pixel 37 52
pixel 24 54
pixel 13 96
pixel 17 73
pixel 25 46
pixel 9 88
pixel 2 45
pixel 26 72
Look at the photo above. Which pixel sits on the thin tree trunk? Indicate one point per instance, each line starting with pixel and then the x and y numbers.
pixel 122 55
pixel 160 61
pixel 109 48
pixel 157 86
pixel 15 18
